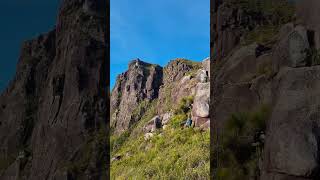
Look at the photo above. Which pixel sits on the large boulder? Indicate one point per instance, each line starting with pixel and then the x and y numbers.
pixel 153 124
pixel 292 143
pixel 201 100
pixel 291 49
pixel 240 65
pixel 202 76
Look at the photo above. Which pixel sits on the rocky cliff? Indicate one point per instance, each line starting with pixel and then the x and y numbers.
pixel 52 116
pixel 147 82
pixel 141 82
pixel 265 100
pixel 150 105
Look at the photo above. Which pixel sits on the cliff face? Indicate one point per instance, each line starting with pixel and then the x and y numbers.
pixel 283 76
pixel 141 82
pixel 52 111
pixel 144 82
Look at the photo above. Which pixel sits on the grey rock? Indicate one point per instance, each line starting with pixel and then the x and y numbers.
pixel 201 100
pixel 153 124
pixel 295 115
pixel 202 76
pixel 166 118
pixel 140 83
pixel 206 65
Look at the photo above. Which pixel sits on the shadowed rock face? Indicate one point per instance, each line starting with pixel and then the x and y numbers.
pixel 283 80
pixel 57 100
pixel 141 82
pixel 308 14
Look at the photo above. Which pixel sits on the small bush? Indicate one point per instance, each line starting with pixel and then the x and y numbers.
pixel 239 158
pixel 265 69
pixel 118 140
pixel 312 56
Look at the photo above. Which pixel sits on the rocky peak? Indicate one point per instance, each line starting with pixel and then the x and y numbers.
pixel 139 83
pixel 177 68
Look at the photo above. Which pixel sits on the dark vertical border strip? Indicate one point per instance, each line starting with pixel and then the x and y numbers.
pixel 107 74
pixel 214 130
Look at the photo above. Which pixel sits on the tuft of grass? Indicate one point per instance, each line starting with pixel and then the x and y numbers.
pixel 275 14
pixel 239 157
pixel 312 56
pixel 263 35
pixel 265 69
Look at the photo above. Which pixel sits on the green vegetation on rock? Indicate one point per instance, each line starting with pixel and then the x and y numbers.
pixel 275 13
pixel 182 111
pixel 242 144
pixel 95 148
pixel 312 56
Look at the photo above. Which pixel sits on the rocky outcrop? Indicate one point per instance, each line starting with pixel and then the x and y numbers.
pixel 295 115
pixel 201 100
pixel 179 82
pixel 282 79
pixel 145 83
pixel 56 104
pixel 140 83
pixel 308 15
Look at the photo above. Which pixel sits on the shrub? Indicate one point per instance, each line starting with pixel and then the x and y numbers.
pixel 239 158
pixel 312 56
pixel 275 14
pixel 118 140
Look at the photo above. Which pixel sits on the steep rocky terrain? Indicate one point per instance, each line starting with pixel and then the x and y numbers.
pixel 52 115
pixel 265 92
pixel 149 107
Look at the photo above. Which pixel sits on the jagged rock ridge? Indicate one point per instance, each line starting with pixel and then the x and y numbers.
pixel 141 82
pixel 147 82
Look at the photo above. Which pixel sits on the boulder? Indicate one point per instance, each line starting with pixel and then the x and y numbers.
pixel 153 124
pixel 201 100
pixel 290 51
pixel 116 158
pixel 293 136
pixel 165 127
pixel 148 136
pixel 166 118
pixel 240 65
pixel 202 76
pixel 199 121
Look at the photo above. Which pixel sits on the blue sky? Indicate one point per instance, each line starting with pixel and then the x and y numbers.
pixel 157 31
pixel 20 21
